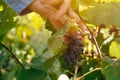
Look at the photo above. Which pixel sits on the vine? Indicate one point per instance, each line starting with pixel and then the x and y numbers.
pixel 12 55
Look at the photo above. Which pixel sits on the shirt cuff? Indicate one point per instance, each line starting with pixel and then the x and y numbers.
pixel 20 6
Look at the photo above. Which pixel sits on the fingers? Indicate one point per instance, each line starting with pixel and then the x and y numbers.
pixel 42 9
pixel 63 16
pixel 77 19
pixel 65 19
pixel 37 7
pixel 52 18
pixel 46 11
pixel 63 9
pixel 56 24
pixel 61 5
pixel 52 2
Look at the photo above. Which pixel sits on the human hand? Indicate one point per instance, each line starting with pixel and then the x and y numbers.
pixel 59 12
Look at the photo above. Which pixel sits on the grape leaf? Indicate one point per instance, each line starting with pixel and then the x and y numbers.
pixel 91 64
pixel 39 41
pixel 110 68
pixel 23 28
pixel 53 76
pixel 107 13
pixel 105 48
pixel 55 42
pixel 32 74
pixel 36 20
pixel 57 39
pixel 88 2
pixel 43 63
pixel 75 4
pixel 110 0
pixel 115 49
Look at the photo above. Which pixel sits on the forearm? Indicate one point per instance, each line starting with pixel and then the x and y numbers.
pixel 19 5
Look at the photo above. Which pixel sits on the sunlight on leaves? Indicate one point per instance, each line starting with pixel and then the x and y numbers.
pixel 75 4
pixel 88 2
pixel 109 0
pixel 115 49
pixel 41 49
pixel 107 13
pixel 1 8
pixel 36 20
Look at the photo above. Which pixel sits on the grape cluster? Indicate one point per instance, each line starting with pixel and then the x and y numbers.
pixel 74 49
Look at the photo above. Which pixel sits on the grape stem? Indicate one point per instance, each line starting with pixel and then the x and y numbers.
pixel 94 39
pixel 76 70
pixel 88 73
pixel 12 55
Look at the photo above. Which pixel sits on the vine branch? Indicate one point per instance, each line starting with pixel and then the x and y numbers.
pixel 12 55
pixel 88 73
pixel 94 40
pixel 76 70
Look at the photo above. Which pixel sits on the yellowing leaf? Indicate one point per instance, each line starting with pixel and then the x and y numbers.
pixel 88 2
pixel 1 8
pixel 55 42
pixel 24 30
pixel 107 13
pixel 36 20
pixel 75 4
pixel 115 49
pixel 109 0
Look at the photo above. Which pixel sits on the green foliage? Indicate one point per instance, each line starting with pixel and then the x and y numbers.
pixel 57 40
pixel 92 64
pixel 111 68
pixel 53 42
pixel 53 76
pixel 7 18
pixel 42 63
pixel 38 38
pixel 4 58
pixel 41 49
pixel 57 37
pixel 32 74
